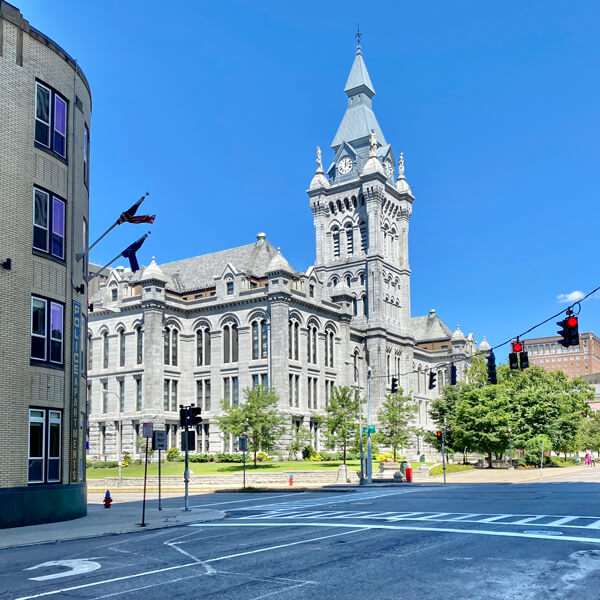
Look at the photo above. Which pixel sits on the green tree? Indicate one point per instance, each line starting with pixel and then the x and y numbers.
pixel 257 418
pixel 300 437
pixel 589 434
pixel 395 415
pixel 341 421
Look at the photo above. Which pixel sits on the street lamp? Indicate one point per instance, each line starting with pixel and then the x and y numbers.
pixel 362 452
pixel 510 462
pixel 120 436
pixel 369 459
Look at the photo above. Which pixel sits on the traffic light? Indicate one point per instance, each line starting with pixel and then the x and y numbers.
pixel 195 416
pixel 513 357
pixel 491 368
pixel 432 377
pixel 394 385
pixel 440 436
pixel 183 415
pixel 569 331
pixel 523 359
pixel 452 375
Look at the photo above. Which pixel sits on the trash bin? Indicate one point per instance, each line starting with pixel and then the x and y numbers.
pixel 422 458
pixel 403 467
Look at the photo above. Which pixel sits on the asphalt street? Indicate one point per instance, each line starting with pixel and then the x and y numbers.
pixel 495 541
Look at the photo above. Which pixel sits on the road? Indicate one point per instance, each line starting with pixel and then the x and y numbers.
pixel 497 541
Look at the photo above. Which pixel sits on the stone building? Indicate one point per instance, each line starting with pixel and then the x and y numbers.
pixel 202 329
pixel 45 113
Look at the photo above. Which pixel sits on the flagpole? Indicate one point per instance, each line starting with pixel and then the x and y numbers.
pixel 89 278
pixel 80 255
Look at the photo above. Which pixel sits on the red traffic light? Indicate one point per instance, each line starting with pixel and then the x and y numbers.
pixel 438 434
pixel 517 347
pixel 572 321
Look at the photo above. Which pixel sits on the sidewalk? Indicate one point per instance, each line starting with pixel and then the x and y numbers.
pixel 503 475
pixel 124 516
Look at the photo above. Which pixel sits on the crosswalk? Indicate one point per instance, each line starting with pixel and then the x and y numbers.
pixel 285 512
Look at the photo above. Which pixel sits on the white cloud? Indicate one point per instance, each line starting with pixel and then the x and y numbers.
pixel 571 297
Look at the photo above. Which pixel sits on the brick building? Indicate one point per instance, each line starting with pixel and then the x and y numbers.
pixel 574 361
pixel 45 103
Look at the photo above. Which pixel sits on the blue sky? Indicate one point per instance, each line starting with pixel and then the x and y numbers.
pixel 215 108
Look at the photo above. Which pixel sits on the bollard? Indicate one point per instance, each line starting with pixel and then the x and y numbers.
pixel 291 479
pixel 408 473
pixel 107 500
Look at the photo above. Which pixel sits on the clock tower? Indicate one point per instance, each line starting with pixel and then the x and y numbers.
pixel 361 215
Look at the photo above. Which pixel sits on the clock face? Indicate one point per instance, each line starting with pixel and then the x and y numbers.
pixel 388 168
pixel 345 165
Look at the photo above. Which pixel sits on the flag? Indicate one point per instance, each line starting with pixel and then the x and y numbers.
pixel 130 251
pixel 129 215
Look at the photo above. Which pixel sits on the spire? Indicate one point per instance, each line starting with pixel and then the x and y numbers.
pixel 319 179
pixel 359 118
pixel 401 183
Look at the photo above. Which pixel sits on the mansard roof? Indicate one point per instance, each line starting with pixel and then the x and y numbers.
pixel 199 272
pixel 429 328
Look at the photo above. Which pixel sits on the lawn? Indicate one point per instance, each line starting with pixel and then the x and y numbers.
pixel 213 468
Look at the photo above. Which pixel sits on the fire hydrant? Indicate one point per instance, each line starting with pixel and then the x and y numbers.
pixel 291 479
pixel 408 473
pixel 107 500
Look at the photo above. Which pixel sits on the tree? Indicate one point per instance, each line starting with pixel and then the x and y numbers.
pixel 341 421
pixel 257 418
pixel 300 437
pixel 395 414
pixel 589 435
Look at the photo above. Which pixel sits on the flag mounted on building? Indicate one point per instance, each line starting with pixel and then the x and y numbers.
pixel 130 251
pixel 129 215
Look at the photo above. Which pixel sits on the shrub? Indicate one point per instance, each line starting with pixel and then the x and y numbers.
pixel 172 454
pixel 383 455
pixel 449 469
pixel 137 461
pixel 308 452
pixel 126 461
pixel 102 464
pixel 263 457
pixel 224 457
pixel 332 456
pixel 316 457
pixel 199 458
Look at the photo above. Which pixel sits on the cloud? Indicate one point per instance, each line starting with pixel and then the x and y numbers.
pixel 571 297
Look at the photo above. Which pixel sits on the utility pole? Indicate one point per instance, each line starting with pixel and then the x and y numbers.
pixel 369 468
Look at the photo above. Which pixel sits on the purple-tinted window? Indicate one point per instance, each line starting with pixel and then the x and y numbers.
pixel 40 220
pixel 58 228
pixel 38 328
pixel 60 125
pixel 56 332
pixel 42 115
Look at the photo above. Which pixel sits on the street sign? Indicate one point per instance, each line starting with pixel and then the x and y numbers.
pixel 159 439
pixel 147 430
pixel 370 429
pixel 243 444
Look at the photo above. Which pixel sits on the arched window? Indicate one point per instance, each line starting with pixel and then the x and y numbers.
pixel 365 302
pixel 264 339
pixel 362 279
pixel 348 281
pixel 174 348
pixel 105 349
pixel 166 345
pixel 311 344
pixel 293 335
pixel 335 239
pixel 349 240
pixel 329 341
pixel 203 346
pixel 89 348
pixel 354 306
pixel 230 343
pixel 114 293
pixel 121 348
pixel 355 363
pixel 139 344
pixel 255 340
pixel 364 238
pixel 393 244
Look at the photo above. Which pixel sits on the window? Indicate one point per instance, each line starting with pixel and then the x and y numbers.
pixel 48 223
pixel 166 394
pixel 174 341
pixel 328 391
pixel 47 330
pixel 311 344
pixel 121 348
pixel 329 342
pixel 203 394
pixel 335 238
pixel 255 381
pixel 105 349
pixel 311 389
pixel 138 393
pixel 311 290
pixel 264 380
pixel 114 293
pixel 139 344
pixel 121 395
pixel 231 391
pixel 173 395
pixel 45 441
pixel 260 339
pixel 170 392
pixel 293 334
pixel 89 349
pixel 86 154
pixel 230 343
pixel 294 390
pixel 50 120
pixel 365 305
pixel 203 347
pixel 166 340
pixel 229 288
pixel 104 392
pixel 349 240
pixel 364 239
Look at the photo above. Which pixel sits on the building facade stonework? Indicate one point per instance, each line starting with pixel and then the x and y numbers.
pixel 203 329
pixel 44 178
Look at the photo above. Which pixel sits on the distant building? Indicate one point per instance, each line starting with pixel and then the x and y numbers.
pixel 574 361
pixel 45 109
pixel 594 380
pixel 200 330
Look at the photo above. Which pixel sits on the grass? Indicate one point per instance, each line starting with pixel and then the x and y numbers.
pixel 212 468
pixel 452 468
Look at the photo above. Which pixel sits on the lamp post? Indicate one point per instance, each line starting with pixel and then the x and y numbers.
pixel 510 462
pixel 120 432
pixel 369 468
pixel 362 480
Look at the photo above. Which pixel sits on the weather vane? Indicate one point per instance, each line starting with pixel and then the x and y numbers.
pixel 358 35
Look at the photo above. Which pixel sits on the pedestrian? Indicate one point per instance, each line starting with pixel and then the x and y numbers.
pixel 587 459
pixel 593 461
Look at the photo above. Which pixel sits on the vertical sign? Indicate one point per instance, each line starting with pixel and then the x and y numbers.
pixel 76 373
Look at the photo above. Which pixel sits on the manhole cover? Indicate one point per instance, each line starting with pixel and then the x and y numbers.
pixel 543 532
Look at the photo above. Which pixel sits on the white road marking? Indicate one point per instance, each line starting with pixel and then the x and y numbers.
pixel 433 517
pixel 559 522
pixel 494 518
pixel 77 566
pixel 594 525
pixel 249 500
pixel 495 532
pixel 464 517
pixel 526 520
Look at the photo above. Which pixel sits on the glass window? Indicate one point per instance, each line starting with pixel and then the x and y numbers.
pixel 227 390
pixel 122 395
pixel 38 328
pixel 140 345
pixel 60 126
pixel 235 391
pixel 207 394
pixel 54 445
pixel 264 340
pixel 51 117
pixel 105 349
pixel 264 380
pixel 255 381
pixel 255 340
pixel 166 353
pixel 41 224
pixel 42 114
pixel 230 287
pixel 166 394
pixel 104 397
pixel 56 332
pixel 36 445
pixel 174 341
pixel 48 217
pixel 121 348
pixel 86 153
pixel 199 348
pixel 173 394
pixel 138 393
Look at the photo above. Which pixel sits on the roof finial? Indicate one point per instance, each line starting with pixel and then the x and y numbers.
pixel 401 165
pixel 372 145
pixel 358 36
pixel 319 161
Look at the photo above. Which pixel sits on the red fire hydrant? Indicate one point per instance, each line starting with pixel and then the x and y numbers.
pixel 408 471
pixel 291 479
pixel 107 500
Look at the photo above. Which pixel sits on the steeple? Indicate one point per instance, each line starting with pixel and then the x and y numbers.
pixel 359 119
